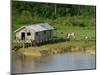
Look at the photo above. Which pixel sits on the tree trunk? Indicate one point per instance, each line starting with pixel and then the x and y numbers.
pixel 55 9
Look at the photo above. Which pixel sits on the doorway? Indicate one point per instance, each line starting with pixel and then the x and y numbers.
pixel 23 36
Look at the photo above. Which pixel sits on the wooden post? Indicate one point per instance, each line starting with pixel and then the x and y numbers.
pixel 31 43
pixel 23 44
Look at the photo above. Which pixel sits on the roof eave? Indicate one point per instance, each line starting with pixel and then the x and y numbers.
pixel 19 29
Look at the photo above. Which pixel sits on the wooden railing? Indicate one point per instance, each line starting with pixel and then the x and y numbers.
pixel 17 44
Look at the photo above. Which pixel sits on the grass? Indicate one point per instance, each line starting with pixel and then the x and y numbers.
pixel 80 32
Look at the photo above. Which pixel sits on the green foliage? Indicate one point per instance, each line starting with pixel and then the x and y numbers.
pixel 29 10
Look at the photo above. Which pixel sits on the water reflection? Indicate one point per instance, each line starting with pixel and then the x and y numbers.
pixel 68 61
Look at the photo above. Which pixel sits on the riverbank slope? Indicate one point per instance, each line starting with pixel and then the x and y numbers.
pixel 59 48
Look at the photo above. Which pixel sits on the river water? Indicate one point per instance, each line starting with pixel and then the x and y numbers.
pixel 59 62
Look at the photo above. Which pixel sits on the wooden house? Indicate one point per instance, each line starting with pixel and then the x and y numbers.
pixel 37 33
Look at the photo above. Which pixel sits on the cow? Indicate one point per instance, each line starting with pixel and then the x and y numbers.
pixel 70 35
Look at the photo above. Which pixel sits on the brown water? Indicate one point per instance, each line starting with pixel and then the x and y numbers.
pixel 67 61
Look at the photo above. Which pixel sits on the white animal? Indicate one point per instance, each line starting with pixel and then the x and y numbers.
pixel 86 37
pixel 71 35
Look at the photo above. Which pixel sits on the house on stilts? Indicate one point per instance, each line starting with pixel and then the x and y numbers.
pixel 36 33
